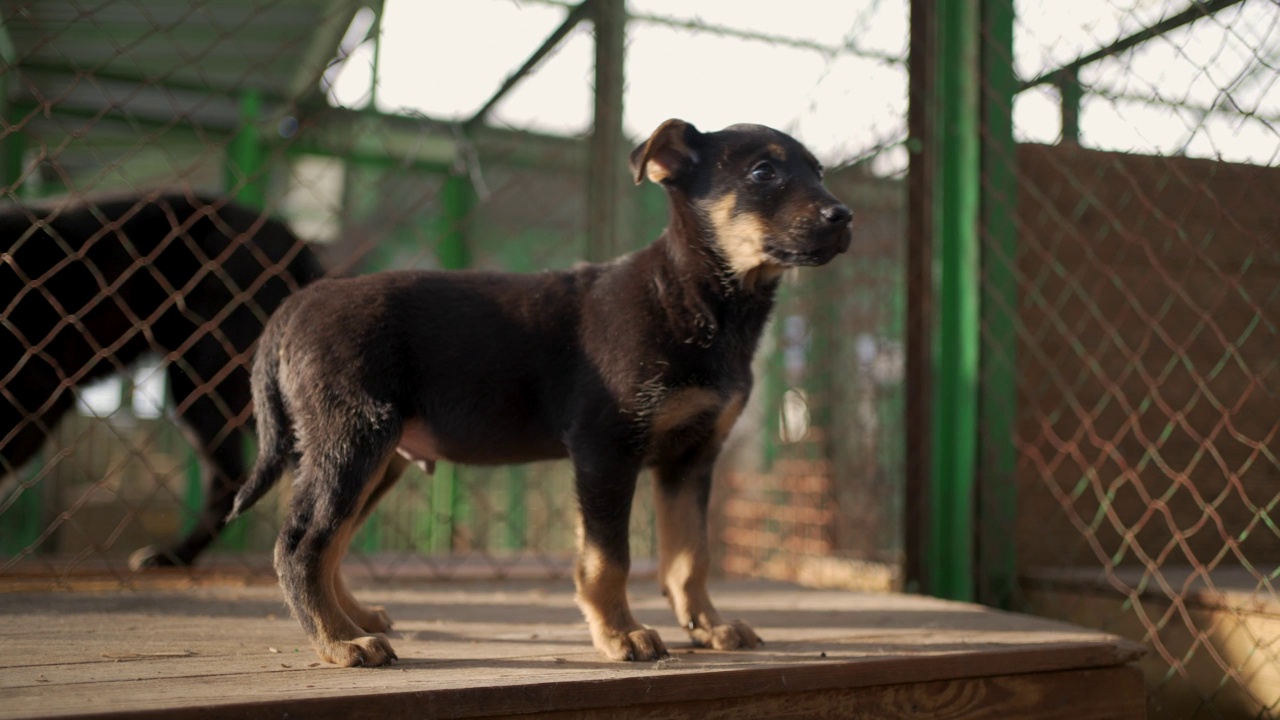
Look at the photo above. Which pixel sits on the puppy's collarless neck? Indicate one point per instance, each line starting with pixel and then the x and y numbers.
pixel 699 294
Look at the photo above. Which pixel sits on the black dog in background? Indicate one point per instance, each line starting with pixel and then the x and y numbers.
pixel 87 287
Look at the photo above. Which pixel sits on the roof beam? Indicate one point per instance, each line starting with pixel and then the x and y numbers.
pixel 576 14
pixel 323 47
pixel 1198 9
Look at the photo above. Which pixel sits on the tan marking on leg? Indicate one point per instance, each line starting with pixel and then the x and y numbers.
pixel 370 618
pixel 684 565
pixel 340 638
pixel 602 596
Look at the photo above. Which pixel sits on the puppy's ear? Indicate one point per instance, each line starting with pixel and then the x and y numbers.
pixel 669 153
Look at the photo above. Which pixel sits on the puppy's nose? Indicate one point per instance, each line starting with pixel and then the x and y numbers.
pixel 836 214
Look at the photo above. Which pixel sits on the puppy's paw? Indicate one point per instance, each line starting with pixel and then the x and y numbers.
pixel 733 635
pixel 636 645
pixel 363 651
pixel 372 619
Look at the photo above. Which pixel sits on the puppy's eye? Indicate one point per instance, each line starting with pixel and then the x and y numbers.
pixel 822 172
pixel 763 172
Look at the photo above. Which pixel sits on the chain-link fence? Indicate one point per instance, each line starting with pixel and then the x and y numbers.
pixel 1065 248
pixel 1119 299
pixel 386 135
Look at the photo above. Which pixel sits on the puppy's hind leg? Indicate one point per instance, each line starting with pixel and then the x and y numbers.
pixel 371 618
pixel 335 482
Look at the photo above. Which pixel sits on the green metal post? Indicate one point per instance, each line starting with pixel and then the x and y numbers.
pixel 449 506
pixel 1071 94
pixel 517 508
pixel 607 167
pixel 245 180
pixel 13 143
pixel 246 169
pixel 13 146
pixel 998 404
pixel 192 487
pixel 22 513
pixel 951 551
pixel 516 258
pixel 22 510
pixel 456 199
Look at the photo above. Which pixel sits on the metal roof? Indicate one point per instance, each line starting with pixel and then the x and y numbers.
pixel 167 58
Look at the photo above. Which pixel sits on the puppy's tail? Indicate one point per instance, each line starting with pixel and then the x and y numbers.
pixel 275 430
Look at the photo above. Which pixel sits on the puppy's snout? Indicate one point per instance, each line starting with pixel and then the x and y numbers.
pixel 836 214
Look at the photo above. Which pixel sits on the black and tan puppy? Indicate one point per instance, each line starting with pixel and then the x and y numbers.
pixel 87 286
pixel 644 361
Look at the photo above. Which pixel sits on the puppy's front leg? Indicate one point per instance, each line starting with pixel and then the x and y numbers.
pixel 684 559
pixel 605 489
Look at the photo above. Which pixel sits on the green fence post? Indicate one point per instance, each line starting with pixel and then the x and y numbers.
pixel 449 506
pixel 21 511
pixel 245 176
pixel 1071 94
pixel 516 258
pixel 13 144
pixel 517 508
pixel 245 180
pixel 998 403
pixel 951 549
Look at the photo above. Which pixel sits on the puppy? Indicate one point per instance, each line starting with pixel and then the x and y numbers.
pixel 644 361
pixel 88 286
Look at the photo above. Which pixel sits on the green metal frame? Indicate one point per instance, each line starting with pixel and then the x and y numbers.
pixel 998 394
pixel 247 154
pixel 950 552
pixel 449 504
pixel 24 514
pixel 1071 93
pixel 23 510
pixel 245 180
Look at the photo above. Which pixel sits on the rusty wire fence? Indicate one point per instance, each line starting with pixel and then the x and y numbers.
pixel 1128 328
pixel 381 141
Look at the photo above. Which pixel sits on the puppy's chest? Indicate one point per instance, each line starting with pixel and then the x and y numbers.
pixel 688 414
pixel 694 408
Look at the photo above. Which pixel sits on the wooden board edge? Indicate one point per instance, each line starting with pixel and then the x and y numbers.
pixel 729 685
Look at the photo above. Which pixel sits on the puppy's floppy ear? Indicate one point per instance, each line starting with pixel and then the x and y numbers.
pixel 671 151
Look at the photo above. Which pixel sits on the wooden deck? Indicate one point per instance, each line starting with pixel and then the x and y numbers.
pixel 499 649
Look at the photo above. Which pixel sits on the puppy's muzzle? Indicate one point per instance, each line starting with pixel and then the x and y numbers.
pixel 839 219
pixel 828 238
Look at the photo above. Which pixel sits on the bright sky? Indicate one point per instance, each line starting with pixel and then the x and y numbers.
pixel 444 58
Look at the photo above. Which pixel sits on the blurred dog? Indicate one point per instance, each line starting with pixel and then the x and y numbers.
pixel 88 286
pixel 644 361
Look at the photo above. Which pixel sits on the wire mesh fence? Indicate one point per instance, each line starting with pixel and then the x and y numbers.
pixel 1128 412
pixel 1129 282
pixel 381 140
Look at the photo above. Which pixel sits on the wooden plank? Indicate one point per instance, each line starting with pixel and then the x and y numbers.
pixel 1042 696
pixel 1224 642
pixel 483 649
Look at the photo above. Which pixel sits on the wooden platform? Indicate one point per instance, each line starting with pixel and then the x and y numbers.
pixel 519 648
pixel 1222 628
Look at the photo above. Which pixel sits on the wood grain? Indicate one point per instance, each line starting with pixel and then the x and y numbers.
pixel 496 649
